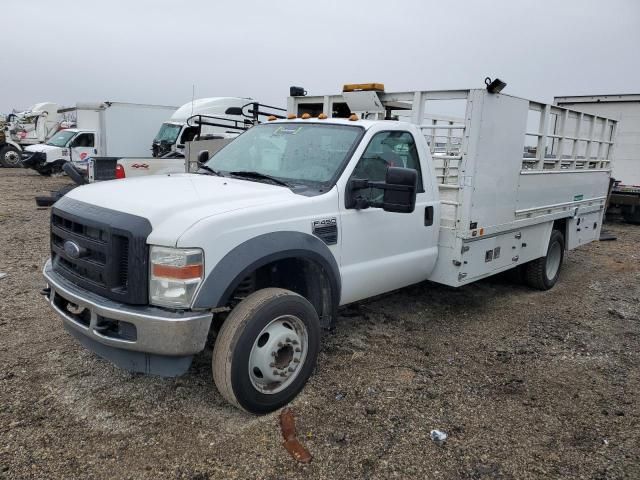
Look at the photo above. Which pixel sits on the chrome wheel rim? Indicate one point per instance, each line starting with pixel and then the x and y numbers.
pixel 12 157
pixel 278 354
pixel 554 256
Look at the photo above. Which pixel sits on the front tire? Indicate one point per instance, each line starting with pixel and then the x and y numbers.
pixel 10 156
pixel 544 272
pixel 266 350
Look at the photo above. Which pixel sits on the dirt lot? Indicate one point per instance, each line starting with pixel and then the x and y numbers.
pixel 526 384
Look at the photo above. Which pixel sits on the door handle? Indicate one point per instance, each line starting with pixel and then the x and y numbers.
pixel 428 216
pixel 95 151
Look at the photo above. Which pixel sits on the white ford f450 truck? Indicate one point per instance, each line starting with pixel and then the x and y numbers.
pixel 297 217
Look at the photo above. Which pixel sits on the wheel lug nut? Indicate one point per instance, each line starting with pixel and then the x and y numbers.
pixel 288 340
pixel 295 342
pixel 273 354
pixel 275 372
pixel 292 369
pixel 298 349
pixel 280 344
pixel 272 364
pixel 296 360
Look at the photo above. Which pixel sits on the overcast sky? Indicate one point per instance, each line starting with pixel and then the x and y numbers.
pixel 153 51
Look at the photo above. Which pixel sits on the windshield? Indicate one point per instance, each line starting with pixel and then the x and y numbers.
pixel 168 133
pixel 289 151
pixel 61 138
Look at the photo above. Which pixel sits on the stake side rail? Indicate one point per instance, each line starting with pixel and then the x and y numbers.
pixel 462 129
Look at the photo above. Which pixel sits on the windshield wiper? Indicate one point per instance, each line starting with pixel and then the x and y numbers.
pixel 259 176
pixel 209 169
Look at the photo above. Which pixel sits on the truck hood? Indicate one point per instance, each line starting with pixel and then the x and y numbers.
pixel 41 147
pixel 172 203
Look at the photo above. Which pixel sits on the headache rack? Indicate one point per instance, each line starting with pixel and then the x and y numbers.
pixel 252 114
pixel 493 144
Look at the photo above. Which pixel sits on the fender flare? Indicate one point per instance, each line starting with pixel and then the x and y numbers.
pixel 262 250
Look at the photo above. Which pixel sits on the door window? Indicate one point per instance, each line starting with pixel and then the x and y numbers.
pixel 387 149
pixel 84 140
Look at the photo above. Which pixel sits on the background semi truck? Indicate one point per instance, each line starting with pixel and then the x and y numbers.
pixel 626 170
pixel 30 127
pixel 297 217
pixel 103 129
pixel 204 124
pixel 203 117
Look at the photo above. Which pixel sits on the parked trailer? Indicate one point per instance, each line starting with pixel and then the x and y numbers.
pixel 103 129
pixel 296 217
pixel 626 172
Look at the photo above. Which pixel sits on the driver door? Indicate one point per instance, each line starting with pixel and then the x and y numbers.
pixel 382 251
pixel 82 147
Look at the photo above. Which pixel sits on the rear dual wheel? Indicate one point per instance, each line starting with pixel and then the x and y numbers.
pixel 544 272
pixel 266 350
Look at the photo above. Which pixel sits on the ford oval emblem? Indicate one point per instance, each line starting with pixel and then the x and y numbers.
pixel 72 249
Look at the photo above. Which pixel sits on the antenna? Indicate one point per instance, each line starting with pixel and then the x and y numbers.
pixel 193 96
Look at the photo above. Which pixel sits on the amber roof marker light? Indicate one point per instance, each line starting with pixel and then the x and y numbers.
pixel 363 87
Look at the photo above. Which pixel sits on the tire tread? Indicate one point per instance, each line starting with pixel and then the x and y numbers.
pixel 535 273
pixel 228 336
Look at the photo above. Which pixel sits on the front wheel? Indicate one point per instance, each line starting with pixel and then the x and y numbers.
pixel 543 273
pixel 266 350
pixel 10 156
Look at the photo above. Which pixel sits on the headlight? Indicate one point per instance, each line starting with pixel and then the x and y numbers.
pixel 176 274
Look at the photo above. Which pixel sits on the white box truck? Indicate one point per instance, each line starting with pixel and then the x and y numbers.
pixel 297 217
pixel 114 129
pixel 626 171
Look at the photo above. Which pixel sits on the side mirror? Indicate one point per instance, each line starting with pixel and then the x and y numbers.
pixel 203 157
pixel 399 187
pixel 400 191
pixel 233 111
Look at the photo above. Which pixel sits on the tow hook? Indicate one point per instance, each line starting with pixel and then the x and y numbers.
pixel 75 309
pixel 45 292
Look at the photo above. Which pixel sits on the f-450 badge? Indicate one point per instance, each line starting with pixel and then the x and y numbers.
pixel 325 222
pixel 326 229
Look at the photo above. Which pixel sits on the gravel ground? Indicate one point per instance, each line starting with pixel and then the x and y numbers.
pixel 526 384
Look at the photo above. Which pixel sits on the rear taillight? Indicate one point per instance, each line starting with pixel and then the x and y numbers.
pixel 120 171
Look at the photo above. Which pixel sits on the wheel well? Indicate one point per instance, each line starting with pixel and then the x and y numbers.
pixel 561 225
pixel 301 275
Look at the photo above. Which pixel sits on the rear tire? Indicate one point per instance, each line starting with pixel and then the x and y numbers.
pixel 544 272
pixel 10 157
pixel 266 350
pixel 631 214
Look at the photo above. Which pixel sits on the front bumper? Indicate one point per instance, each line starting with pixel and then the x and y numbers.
pixel 33 160
pixel 138 338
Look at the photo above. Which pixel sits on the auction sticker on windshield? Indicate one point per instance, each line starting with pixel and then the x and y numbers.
pixel 286 130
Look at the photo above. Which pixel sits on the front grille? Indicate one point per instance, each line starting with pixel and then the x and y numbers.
pixel 113 258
